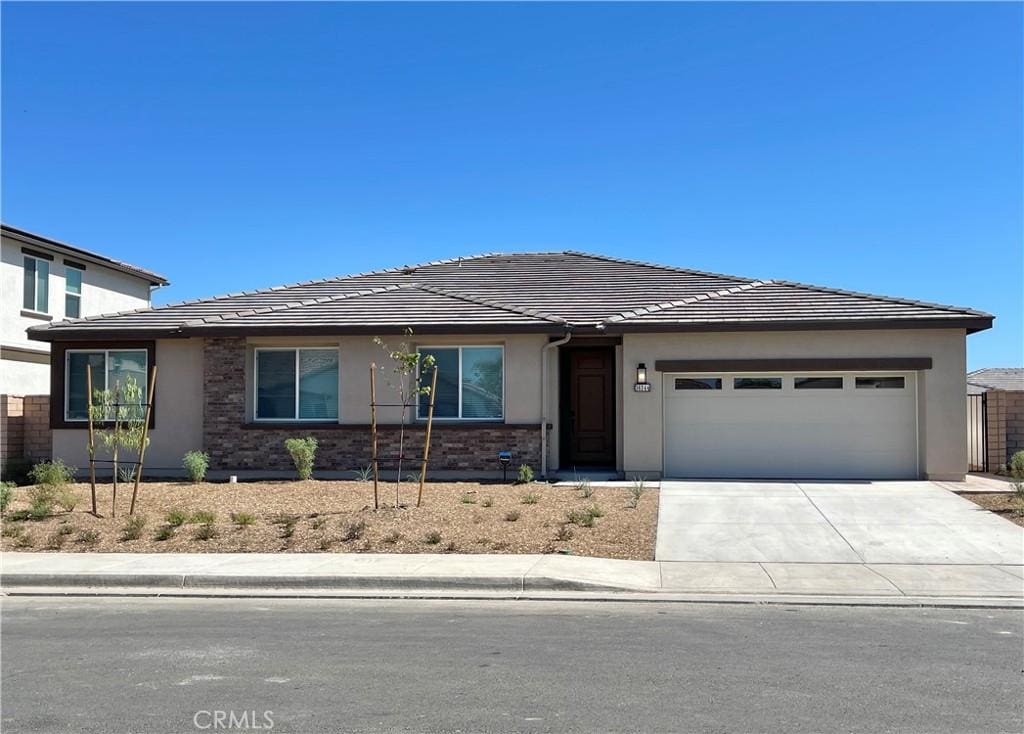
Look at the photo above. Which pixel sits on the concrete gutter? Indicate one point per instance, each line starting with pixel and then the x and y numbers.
pixel 509 576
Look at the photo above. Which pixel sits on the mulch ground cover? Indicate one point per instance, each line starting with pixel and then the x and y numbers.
pixel 1004 504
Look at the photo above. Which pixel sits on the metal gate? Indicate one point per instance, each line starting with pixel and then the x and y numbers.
pixel 977 423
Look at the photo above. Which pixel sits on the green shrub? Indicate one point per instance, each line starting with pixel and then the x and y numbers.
pixel 176 518
pixel 12 529
pixel 531 498
pixel 19 515
pixel 243 519
pixel 583 518
pixel 6 495
pixel 67 499
pixel 126 474
pixel 365 474
pixel 393 537
pixel 353 531
pixel 468 499
pixel 52 474
pixel 196 463
pixel 1016 465
pixel 511 515
pixel 87 536
pixel 206 531
pixel 303 453
pixel 132 529
pixel 55 541
pixel 164 532
pixel 563 533
pixel 40 509
pixel 636 491
pixel 487 502
pixel 25 540
pixel 432 538
pixel 203 517
pixel 66 529
pixel 584 488
pixel 595 511
pixel 525 475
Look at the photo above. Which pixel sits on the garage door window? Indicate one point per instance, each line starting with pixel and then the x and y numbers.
pixel 818 383
pixel 698 383
pixel 881 383
pixel 757 383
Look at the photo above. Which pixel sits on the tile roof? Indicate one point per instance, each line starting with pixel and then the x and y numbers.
pixel 997 378
pixel 46 242
pixel 536 291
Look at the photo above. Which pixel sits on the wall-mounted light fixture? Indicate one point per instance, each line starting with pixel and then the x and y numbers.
pixel 641 385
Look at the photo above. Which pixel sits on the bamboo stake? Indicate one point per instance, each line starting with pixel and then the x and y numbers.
pixel 426 440
pixel 117 433
pixel 92 439
pixel 373 430
pixel 145 434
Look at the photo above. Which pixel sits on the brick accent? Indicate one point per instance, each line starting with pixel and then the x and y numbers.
pixel 232 444
pixel 1005 431
pixel 25 427
pixel 12 427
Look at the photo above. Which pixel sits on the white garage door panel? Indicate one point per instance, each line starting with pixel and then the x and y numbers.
pixel 849 433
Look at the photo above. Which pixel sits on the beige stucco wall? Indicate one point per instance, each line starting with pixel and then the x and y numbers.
pixel 179 410
pixel 941 417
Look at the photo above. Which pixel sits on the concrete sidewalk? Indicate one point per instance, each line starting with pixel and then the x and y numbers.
pixel 508 574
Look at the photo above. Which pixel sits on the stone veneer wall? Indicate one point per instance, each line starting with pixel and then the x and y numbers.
pixel 235 445
pixel 1005 430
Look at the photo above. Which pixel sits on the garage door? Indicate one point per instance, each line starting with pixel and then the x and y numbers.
pixel 826 426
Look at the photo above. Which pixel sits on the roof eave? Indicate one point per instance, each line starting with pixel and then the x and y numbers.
pixel 971 324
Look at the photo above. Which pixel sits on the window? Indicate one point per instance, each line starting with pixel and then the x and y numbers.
pixel 37 278
pixel 818 383
pixel 880 383
pixel 757 383
pixel 470 383
pixel 109 368
pixel 698 383
pixel 72 292
pixel 296 384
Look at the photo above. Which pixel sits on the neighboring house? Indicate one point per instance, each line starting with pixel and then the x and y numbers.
pixel 569 360
pixel 42 280
pixel 995 407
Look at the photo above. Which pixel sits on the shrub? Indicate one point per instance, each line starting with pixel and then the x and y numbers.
pixel 203 517
pixel 6 495
pixel 583 518
pixel 66 529
pixel 19 515
pixel 52 473
pixel 1016 465
pixel 243 519
pixel 41 509
pixel 126 474
pixel 25 540
pixel 12 529
pixel 55 541
pixel 196 463
pixel 563 533
pixel 303 453
pixel 353 531
pixel 206 531
pixel 365 474
pixel 531 498
pixel 67 499
pixel 132 529
pixel 164 532
pixel 176 518
pixel 317 522
pixel 325 543
pixel 87 536
pixel 525 474
pixel 487 502
pixel 468 499
pixel 636 491
pixel 393 537
pixel 595 511
pixel 432 538
pixel 511 515
pixel 584 488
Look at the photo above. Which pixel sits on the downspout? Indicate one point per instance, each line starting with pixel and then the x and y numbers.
pixel 544 401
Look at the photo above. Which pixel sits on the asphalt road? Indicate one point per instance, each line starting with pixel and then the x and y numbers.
pixel 159 666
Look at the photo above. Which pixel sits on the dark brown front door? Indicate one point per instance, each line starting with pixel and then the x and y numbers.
pixel 591 418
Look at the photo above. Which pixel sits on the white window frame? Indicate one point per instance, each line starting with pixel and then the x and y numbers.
pixel 35 284
pixel 256 385
pixel 68 293
pixel 460 347
pixel 106 368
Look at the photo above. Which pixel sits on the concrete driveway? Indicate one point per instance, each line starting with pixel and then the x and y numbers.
pixel 830 522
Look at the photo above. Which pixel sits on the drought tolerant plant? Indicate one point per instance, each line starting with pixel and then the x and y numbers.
pixel 564 532
pixel 196 463
pixel 176 518
pixel 636 491
pixel 595 511
pixel 55 541
pixel 41 499
pixel 407 365
pixel 525 475
pixel 87 536
pixel 583 487
pixel 206 531
pixel 12 529
pixel 164 532
pixel 67 499
pixel 468 499
pixel 432 538
pixel 6 495
pixel 126 474
pixel 317 522
pixel 203 517
pixel 123 410
pixel 303 453
pixel 487 502
pixel 25 540
pixel 66 529
pixel 530 498
pixel 243 519
pixel 393 537
pixel 1016 469
pixel 365 474
pixel 353 531
pixel 132 529
pixel 511 515
pixel 53 474
pixel 584 518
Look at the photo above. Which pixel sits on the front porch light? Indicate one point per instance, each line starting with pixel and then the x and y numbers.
pixel 641 384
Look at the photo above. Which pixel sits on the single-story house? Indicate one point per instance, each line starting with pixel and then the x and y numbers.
pixel 995 413
pixel 569 360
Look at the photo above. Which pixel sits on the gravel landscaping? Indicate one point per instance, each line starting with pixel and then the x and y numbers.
pixel 1004 504
pixel 338 517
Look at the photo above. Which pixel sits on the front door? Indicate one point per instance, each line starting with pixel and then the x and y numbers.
pixel 591 398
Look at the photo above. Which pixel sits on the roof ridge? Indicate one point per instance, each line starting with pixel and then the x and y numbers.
pixel 491 303
pixel 657 266
pixel 665 305
pixel 875 296
pixel 242 313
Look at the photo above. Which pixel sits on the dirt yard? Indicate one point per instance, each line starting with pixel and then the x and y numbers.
pixel 338 517
pixel 1004 504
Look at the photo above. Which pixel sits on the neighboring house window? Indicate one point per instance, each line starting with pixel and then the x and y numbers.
pixel 296 384
pixel 470 383
pixel 109 368
pixel 37 278
pixel 72 292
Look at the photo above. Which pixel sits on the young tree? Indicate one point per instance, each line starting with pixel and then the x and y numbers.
pixel 123 412
pixel 407 364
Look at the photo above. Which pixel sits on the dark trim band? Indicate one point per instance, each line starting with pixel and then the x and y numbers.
pixel 73 264
pixel 37 254
pixel 57 369
pixel 798 364
pixel 416 426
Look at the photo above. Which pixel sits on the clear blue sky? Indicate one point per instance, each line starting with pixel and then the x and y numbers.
pixel 872 147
